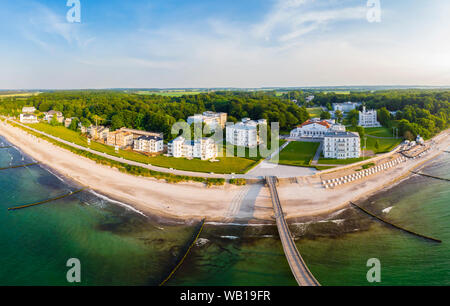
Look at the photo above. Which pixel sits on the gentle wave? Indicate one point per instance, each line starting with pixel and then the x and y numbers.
pixel 117 202
pixel 387 210
pixel 229 237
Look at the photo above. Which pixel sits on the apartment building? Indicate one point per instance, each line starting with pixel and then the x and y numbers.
pixel 149 144
pixel 203 148
pixel 48 116
pixel 209 118
pixel 120 139
pixel 28 118
pixel 244 133
pixel 28 109
pixel 342 145
pixel 98 132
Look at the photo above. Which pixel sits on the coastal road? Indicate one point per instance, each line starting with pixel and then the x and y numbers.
pixel 298 266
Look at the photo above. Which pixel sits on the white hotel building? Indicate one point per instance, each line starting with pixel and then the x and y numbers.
pixel 149 144
pixel 316 128
pixel 368 118
pixel 245 133
pixel 342 145
pixel 204 148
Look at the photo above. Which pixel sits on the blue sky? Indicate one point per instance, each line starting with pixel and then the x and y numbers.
pixel 228 43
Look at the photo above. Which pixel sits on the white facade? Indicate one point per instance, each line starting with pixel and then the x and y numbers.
pixel 245 133
pixel 309 99
pixel 316 128
pixel 368 118
pixel 28 118
pixel 204 148
pixel 342 145
pixel 28 109
pixel 209 118
pixel 346 106
pixel 49 116
pixel 149 144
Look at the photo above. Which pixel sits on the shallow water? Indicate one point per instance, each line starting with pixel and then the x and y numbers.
pixel 119 246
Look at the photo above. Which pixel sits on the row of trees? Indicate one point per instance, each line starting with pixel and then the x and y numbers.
pixel 158 113
pixel 423 112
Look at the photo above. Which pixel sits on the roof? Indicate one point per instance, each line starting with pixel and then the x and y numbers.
pixel 58 113
pixel 309 121
pixel 148 138
pixel 339 134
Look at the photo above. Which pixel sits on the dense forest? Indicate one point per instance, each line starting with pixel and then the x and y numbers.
pixel 158 113
pixel 423 112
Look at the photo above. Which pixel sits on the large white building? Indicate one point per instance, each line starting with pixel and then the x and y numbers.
pixel 345 107
pixel 316 128
pixel 209 118
pixel 28 109
pixel 368 118
pixel 149 144
pixel 203 148
pixel 342 145
pixel 28 118
pixel 244 133
pixel 48 116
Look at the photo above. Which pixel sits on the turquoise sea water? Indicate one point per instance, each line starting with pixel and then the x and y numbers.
pixel 118 246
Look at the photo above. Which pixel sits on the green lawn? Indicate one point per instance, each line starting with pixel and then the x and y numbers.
pixel 314 112
pixel 379 132
pixel 333 161
pixel 385 145
pixel 225 165
pixel 298 154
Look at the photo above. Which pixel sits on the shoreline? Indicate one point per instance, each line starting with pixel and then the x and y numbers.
pixel 193 201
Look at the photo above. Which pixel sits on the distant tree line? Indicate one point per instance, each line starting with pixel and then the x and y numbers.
pixel 156 112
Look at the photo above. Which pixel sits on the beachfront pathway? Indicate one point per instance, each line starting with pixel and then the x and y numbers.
pixel 265 168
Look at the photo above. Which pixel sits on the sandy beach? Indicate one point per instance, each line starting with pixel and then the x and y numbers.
pixel 304 196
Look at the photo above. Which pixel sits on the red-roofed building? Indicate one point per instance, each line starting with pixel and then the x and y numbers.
pixel 315 128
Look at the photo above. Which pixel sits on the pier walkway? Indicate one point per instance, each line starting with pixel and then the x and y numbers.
pixel 298 267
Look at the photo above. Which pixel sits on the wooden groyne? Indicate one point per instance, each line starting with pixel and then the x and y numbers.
pixel 5 147
pixel 395 225
pixel 185 255
pixel 46 201
pixel 432 176
pixel 19 166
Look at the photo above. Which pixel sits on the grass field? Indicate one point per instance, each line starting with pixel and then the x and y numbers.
pixel 170 93
pixel 379 132
pixel 20 95
pixel 298 154
pixel 385 144
pixel 225 165
pixel 333 161
pixel 343 92
pixel 314 112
